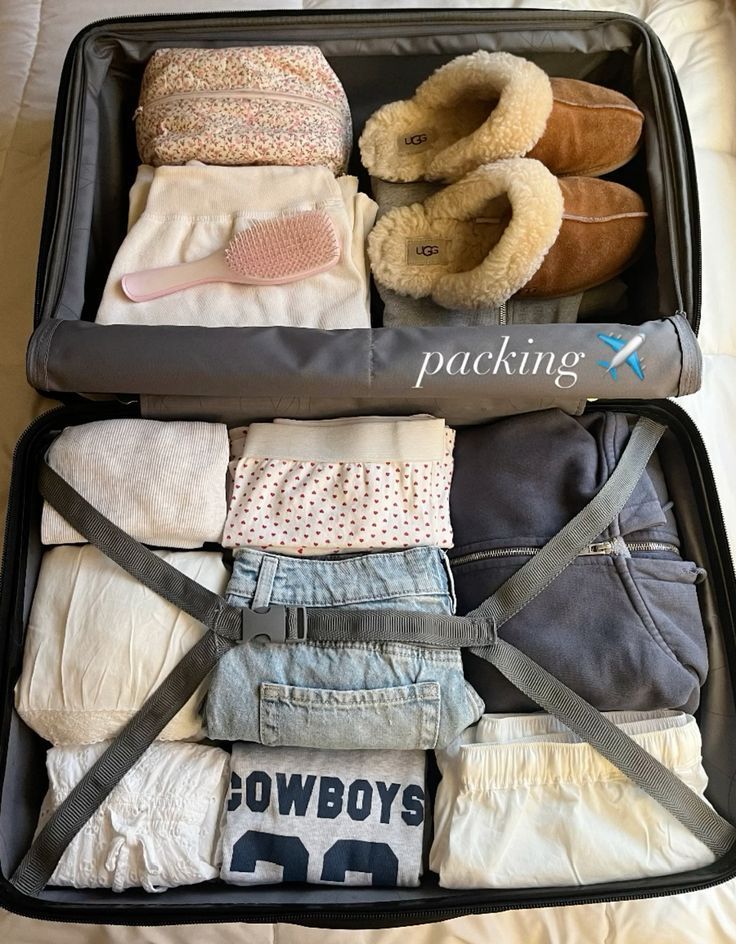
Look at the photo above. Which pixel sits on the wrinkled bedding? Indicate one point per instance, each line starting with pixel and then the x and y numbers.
pixel 700 36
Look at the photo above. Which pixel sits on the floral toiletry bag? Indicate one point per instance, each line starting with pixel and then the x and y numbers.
pixel 243 105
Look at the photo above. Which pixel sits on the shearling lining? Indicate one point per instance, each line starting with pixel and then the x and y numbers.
pixel 446 219
pixel 446 129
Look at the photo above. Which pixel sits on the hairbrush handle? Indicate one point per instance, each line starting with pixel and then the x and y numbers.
pixel 155 283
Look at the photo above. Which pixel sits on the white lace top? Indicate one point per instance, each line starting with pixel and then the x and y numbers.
pixel 159 827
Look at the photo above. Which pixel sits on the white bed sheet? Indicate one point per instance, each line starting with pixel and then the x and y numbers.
pixel 700 36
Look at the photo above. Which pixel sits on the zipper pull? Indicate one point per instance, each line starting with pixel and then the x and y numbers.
pixel 137 113
pixel 615 547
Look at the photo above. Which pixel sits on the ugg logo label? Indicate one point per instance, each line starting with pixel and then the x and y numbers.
pixel 414 143
pixel 426 251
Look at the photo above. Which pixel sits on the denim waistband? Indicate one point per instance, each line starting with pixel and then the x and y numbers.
pixel 260 578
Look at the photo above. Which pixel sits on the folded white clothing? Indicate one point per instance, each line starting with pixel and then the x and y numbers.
pixel 98 643
pixel 314 487
pixel 523 802
pixel 334 817
pixel 184 213
pixel 158 828
pixel 162 482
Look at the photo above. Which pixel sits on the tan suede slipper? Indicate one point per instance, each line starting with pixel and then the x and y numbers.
pixel 492 105
pixel 508 228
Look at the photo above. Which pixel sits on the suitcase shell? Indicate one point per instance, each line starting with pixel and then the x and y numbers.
pixel 241 374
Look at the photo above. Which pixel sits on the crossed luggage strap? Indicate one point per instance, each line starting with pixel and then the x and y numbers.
pixel 229 626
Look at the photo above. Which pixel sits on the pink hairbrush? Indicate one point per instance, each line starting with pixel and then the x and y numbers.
pixel 270 252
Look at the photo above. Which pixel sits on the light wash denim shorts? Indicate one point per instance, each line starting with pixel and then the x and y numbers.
pixel 385 696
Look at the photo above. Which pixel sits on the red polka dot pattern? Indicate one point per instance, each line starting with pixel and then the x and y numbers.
pixel 300 507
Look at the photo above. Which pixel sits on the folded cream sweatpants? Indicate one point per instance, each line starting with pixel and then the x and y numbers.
pixel 179 214
pixel 524 803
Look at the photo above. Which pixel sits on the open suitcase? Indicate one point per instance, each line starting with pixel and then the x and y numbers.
pixel 240 375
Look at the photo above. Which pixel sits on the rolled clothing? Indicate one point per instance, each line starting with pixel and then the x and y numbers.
pixel 327 817
pixel 621 625
pixel 162 482
pixel 348 695
pixel 316 487
pixel 192 211
pixel 158 828
pixel 99 643
pixel 402 310
pixel 524 803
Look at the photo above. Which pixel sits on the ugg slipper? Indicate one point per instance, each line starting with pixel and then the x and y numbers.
pixel 508 228
pixel 492 105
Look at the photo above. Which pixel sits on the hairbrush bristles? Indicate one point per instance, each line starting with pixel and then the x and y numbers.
pixel 269 252
pixel 285 248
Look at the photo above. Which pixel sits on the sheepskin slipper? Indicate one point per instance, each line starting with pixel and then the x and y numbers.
pixel 492 105
pixel 508 228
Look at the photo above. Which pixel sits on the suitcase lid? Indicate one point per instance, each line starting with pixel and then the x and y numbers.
pixel 459 372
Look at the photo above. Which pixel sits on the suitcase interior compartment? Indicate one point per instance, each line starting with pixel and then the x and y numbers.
pixel 94 161
pixel 241 374
pixel 24 778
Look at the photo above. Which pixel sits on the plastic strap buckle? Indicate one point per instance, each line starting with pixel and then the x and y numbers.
pixel 272 622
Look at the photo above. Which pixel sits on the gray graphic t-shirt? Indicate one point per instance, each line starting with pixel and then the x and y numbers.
pixel 342 817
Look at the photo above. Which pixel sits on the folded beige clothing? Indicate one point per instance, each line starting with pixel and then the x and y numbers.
pixel 162 482
pixel 182 214
pixel 99 643
pixel 524 803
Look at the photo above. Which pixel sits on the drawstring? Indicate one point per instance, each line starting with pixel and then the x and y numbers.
pixel 130 834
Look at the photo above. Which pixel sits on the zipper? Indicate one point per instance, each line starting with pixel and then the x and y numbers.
pixel 608 548
pixel 237 93
pixel 670 196
pixel 652 546
pixel 696 238
pixel 502 316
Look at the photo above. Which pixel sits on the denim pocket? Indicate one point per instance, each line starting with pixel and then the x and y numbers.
pixel 403 717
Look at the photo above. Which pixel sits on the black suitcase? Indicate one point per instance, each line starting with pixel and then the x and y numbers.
pixel 242 374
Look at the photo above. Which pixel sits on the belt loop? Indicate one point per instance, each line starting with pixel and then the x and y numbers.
pixel 264 584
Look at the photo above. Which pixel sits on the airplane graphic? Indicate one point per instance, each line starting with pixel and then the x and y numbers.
pixel 625 353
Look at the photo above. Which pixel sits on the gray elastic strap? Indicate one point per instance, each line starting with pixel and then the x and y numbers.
pixel 549 562
pixel 38 866
pixel 225 624
pixel 153 572
pixel 217 614
pixel 39 863
pixel 423 629
pixel 623 752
